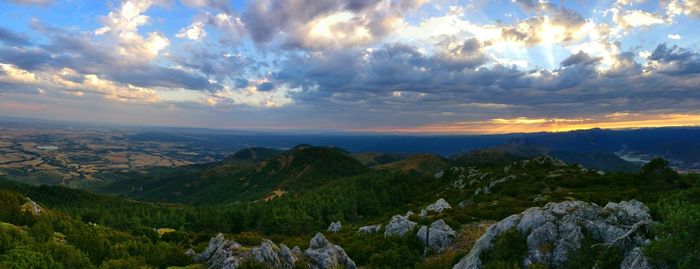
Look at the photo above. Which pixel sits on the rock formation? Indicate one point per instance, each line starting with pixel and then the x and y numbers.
pixel 227 254
pixel 439 206
pixel 557 229
pixel 31 207
pixel 438 236
pixel 322 254
pixel 399 226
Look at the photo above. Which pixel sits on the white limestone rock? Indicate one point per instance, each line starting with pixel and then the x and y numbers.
pixel 399 226
pixel 439 206
pixel 438 236
pixel 322 254
pixel 561 227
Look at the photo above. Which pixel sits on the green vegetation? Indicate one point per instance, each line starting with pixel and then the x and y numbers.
pixel 79 229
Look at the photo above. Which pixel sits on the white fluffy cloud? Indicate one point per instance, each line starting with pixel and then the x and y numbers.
pixel 122 26
pixel 194 32
pixel 635 18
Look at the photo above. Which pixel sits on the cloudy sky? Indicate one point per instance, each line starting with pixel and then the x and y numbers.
pixel 437 66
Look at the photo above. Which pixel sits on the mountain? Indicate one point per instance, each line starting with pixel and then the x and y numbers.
pixel 520 148
pixel 371 212
pixel 379 158
pixel 249 174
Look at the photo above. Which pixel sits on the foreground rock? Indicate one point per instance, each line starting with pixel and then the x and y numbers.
pixel 438 236
pixel 227 254
pixel 399 226
pixel 558 229
pixel 321 254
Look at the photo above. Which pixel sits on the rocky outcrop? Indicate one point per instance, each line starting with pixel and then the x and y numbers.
pixel 31 207
pixel 438 236
pixel 334 227
pixel 287 257
pixel 439 206
pixel 557 229
pixel 227 254
pixel 399 226
pixel 487 189
pixel 322 254
pixel 370 229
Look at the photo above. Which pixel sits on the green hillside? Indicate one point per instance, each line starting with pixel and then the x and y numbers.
pixel 478 194
pixel 250 174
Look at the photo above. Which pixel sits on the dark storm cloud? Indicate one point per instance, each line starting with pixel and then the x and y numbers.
pixel 676 60
pixel 11 38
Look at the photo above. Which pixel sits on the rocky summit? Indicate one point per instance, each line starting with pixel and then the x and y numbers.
pixel 558 229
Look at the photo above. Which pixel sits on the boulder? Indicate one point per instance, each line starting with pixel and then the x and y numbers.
pixel 399 226
pixel 635 259
pixel 266 254
pixel 296 251
pixel 439 206
pixel 557 229
pixel 370 228
pixel 438 236
pixel 322 254
pixel 334 227
pixel 287 257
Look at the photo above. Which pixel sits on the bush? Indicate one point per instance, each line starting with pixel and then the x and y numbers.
pixel 678 232
pixel 22 258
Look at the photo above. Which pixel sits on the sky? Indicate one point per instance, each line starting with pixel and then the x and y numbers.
pixel 397 66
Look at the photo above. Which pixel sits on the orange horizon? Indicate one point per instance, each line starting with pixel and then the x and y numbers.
pixel 616 121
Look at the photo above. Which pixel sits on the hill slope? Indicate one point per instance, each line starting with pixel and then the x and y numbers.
pixel 250 174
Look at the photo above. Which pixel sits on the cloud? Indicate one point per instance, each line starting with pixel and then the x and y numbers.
pixel 553 25
pixel 122 26
pixel 674 36
pixel 684 7
pixel 674 60
pixel 320 24
pixel 635 18
pixel 194 32
pixel 13 39
pixel 69 81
